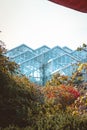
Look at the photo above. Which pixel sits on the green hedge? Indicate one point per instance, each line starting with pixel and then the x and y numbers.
pixel 60 121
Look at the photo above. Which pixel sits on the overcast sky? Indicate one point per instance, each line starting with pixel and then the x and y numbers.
pixel 40 22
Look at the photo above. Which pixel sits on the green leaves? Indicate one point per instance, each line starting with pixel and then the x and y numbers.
pixel 6 66
pixel 83 47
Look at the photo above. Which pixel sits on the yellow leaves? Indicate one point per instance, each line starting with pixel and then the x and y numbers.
pixel 75 113
pixel 80 78
pixel 80 105
pixel 82 66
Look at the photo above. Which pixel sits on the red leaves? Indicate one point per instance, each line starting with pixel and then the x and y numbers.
pixel 62 94
pixel 74 92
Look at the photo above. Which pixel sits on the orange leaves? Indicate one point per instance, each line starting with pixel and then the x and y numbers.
pixel 62 94
pixel 51 95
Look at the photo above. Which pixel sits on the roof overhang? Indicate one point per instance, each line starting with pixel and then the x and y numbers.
pixel 79 5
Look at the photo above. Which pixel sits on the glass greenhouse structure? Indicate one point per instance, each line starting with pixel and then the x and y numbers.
pixel 40 64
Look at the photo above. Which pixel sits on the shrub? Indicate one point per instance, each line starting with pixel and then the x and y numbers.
pixel 63 95
pixel 59 121
pixel 80 105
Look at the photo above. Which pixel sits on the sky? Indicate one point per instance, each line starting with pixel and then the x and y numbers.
pixel 41 22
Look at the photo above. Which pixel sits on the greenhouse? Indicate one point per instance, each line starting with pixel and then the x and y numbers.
pixel 40 64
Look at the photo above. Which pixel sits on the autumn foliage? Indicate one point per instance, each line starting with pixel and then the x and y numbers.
pixel 62 94
pixel 79 107
pixel 26 106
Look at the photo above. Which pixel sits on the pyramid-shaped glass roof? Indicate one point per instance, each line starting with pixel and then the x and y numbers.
pixel 40 64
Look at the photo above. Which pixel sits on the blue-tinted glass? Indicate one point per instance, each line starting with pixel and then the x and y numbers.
pixel 40 64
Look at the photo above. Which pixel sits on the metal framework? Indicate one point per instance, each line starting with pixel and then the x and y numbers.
pixel 40 64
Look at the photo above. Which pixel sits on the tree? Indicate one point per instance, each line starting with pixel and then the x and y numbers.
pixel 6 66
pixel 58 79
pixel 83 47
pixel 18 97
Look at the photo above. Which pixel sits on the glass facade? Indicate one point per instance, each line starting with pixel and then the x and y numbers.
pixel 40 64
